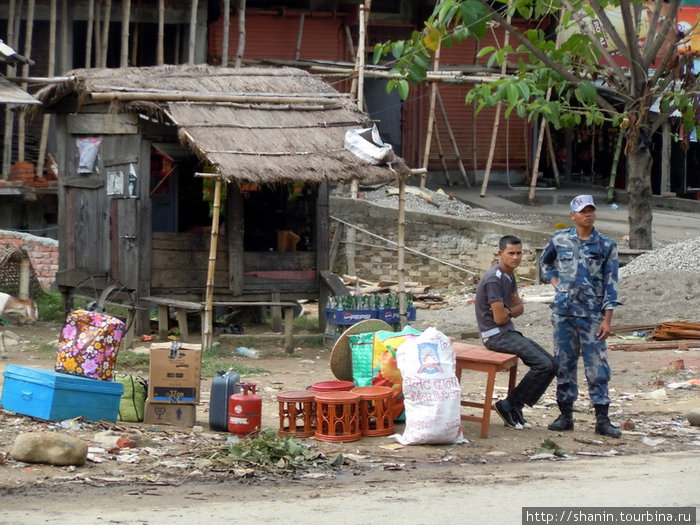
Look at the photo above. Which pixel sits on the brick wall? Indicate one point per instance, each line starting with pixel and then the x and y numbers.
pixel 43 253
pixel 452 251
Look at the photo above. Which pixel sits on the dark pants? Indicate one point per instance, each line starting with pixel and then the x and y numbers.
pixel 543 368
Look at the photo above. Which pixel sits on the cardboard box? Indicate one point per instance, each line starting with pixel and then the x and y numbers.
pixel 169 414
pixel 56 396
pixel 174 373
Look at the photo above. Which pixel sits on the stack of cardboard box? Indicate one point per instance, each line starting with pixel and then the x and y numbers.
pixel 173 384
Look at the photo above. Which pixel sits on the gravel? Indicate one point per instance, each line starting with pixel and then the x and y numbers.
pixel 678 257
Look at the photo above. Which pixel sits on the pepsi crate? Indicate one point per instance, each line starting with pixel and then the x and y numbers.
pixel 349 316
pixel 56 396
pixel 391 315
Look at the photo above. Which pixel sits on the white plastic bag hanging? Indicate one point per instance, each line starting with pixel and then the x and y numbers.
pixel 368 145
pixel 432 393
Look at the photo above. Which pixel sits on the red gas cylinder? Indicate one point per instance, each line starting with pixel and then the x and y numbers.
pixel 244 410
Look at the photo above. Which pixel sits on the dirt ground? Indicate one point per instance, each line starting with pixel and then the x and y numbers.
pixel 649 390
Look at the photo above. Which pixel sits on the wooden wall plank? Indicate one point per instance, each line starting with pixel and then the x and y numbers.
pixel 103 124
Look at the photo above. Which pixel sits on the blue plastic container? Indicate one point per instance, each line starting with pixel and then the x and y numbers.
pixel 56 396
pixel 391 315
pixel 346 317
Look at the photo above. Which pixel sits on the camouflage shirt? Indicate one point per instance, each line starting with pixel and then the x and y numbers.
pixel 587 272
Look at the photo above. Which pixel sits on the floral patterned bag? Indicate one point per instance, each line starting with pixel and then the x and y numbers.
pixel 88 345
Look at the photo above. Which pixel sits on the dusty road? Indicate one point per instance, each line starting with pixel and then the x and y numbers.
pixel 472 494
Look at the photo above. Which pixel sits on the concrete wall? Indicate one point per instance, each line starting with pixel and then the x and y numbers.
pixel 458 249
pixel 43 253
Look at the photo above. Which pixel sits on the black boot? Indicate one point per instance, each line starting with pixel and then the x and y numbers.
pixel 565 421
pixel 602 422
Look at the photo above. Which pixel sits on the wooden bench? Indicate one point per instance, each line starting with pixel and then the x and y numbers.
pixel 182 307
pixel 479 358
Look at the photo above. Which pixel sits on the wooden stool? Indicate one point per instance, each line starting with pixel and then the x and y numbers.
pixel 375 410
pixel 473 357
pixel 297 413
pixel 337 417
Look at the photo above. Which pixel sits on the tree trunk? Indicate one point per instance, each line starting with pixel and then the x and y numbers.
pixel 639 198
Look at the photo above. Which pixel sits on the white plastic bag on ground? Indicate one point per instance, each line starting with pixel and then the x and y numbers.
pixel 431 391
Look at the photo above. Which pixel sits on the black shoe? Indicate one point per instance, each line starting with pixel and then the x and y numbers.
pixel 517 414
pixel 503 410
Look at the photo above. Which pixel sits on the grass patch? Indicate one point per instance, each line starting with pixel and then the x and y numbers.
pixel 309 323
pixel 215 359
pixel 50 306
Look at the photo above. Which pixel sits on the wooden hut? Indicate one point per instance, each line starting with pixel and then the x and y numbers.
pixel 140 211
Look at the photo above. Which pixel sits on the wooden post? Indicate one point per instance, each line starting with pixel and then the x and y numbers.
pixel 126 15
pixel 24 273
pixel 193 31
pixel 452 140
pixel 160 49
pixel 496 121
pixel 241 33
pixel 88 37
pixel 135 43
pixel 400 252
pixel 613 169
pixel 431 116
pixel 225 36
pixel 9 115
pixel 43 140
pixel 105 31
pixel 25 73
pixel 208 322
pixel 300 34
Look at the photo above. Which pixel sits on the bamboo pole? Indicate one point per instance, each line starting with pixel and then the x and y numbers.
pixel 126 15
pixel 205 97
pixel 613 169
pixel 135 43
pixel 441 154
pixel 21 128
pixel 455 147
pixel 431 116
pixel 52 64
pixel 552 155
pixel 361 46
pixel 496 121
pixel 536 160
pixel 88 37
pixel 400 255
pixel 105 31
pixel 65 60
pixel 193 32
pixel 225 36
pixel 9 115
pixel 300 34
pixel 98 34
pixel 241 33
pixel 160 47
pixel 208 324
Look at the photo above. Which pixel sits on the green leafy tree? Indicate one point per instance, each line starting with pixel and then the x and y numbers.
pixel 573 79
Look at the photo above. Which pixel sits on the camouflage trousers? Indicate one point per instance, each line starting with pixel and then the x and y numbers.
pixel 575 336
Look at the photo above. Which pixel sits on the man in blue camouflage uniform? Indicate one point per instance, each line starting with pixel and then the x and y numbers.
pixel 582 266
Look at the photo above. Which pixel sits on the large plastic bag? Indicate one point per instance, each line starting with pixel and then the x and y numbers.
pixel 432 394
pixel 368 145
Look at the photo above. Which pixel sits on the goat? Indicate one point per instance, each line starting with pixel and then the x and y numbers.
pixel 25 309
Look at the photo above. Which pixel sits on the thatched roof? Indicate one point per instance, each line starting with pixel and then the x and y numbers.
pixel 257 124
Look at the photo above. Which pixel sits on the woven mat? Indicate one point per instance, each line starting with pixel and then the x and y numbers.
pixel 341 356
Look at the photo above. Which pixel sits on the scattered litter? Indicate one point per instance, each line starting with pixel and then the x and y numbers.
pixel 658 395
pixel 549 449
pixel 653 442
pixel 392 446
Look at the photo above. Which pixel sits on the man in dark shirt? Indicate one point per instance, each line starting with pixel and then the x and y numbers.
pixel 497 303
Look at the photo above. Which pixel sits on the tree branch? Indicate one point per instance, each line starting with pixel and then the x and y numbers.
pixel 619 73
pixel 555 66
pixel 638 69
pixel 610 29
pixel 651 50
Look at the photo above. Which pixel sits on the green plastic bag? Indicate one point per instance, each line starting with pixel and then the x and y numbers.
pixel 133 399
pixel 361 349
